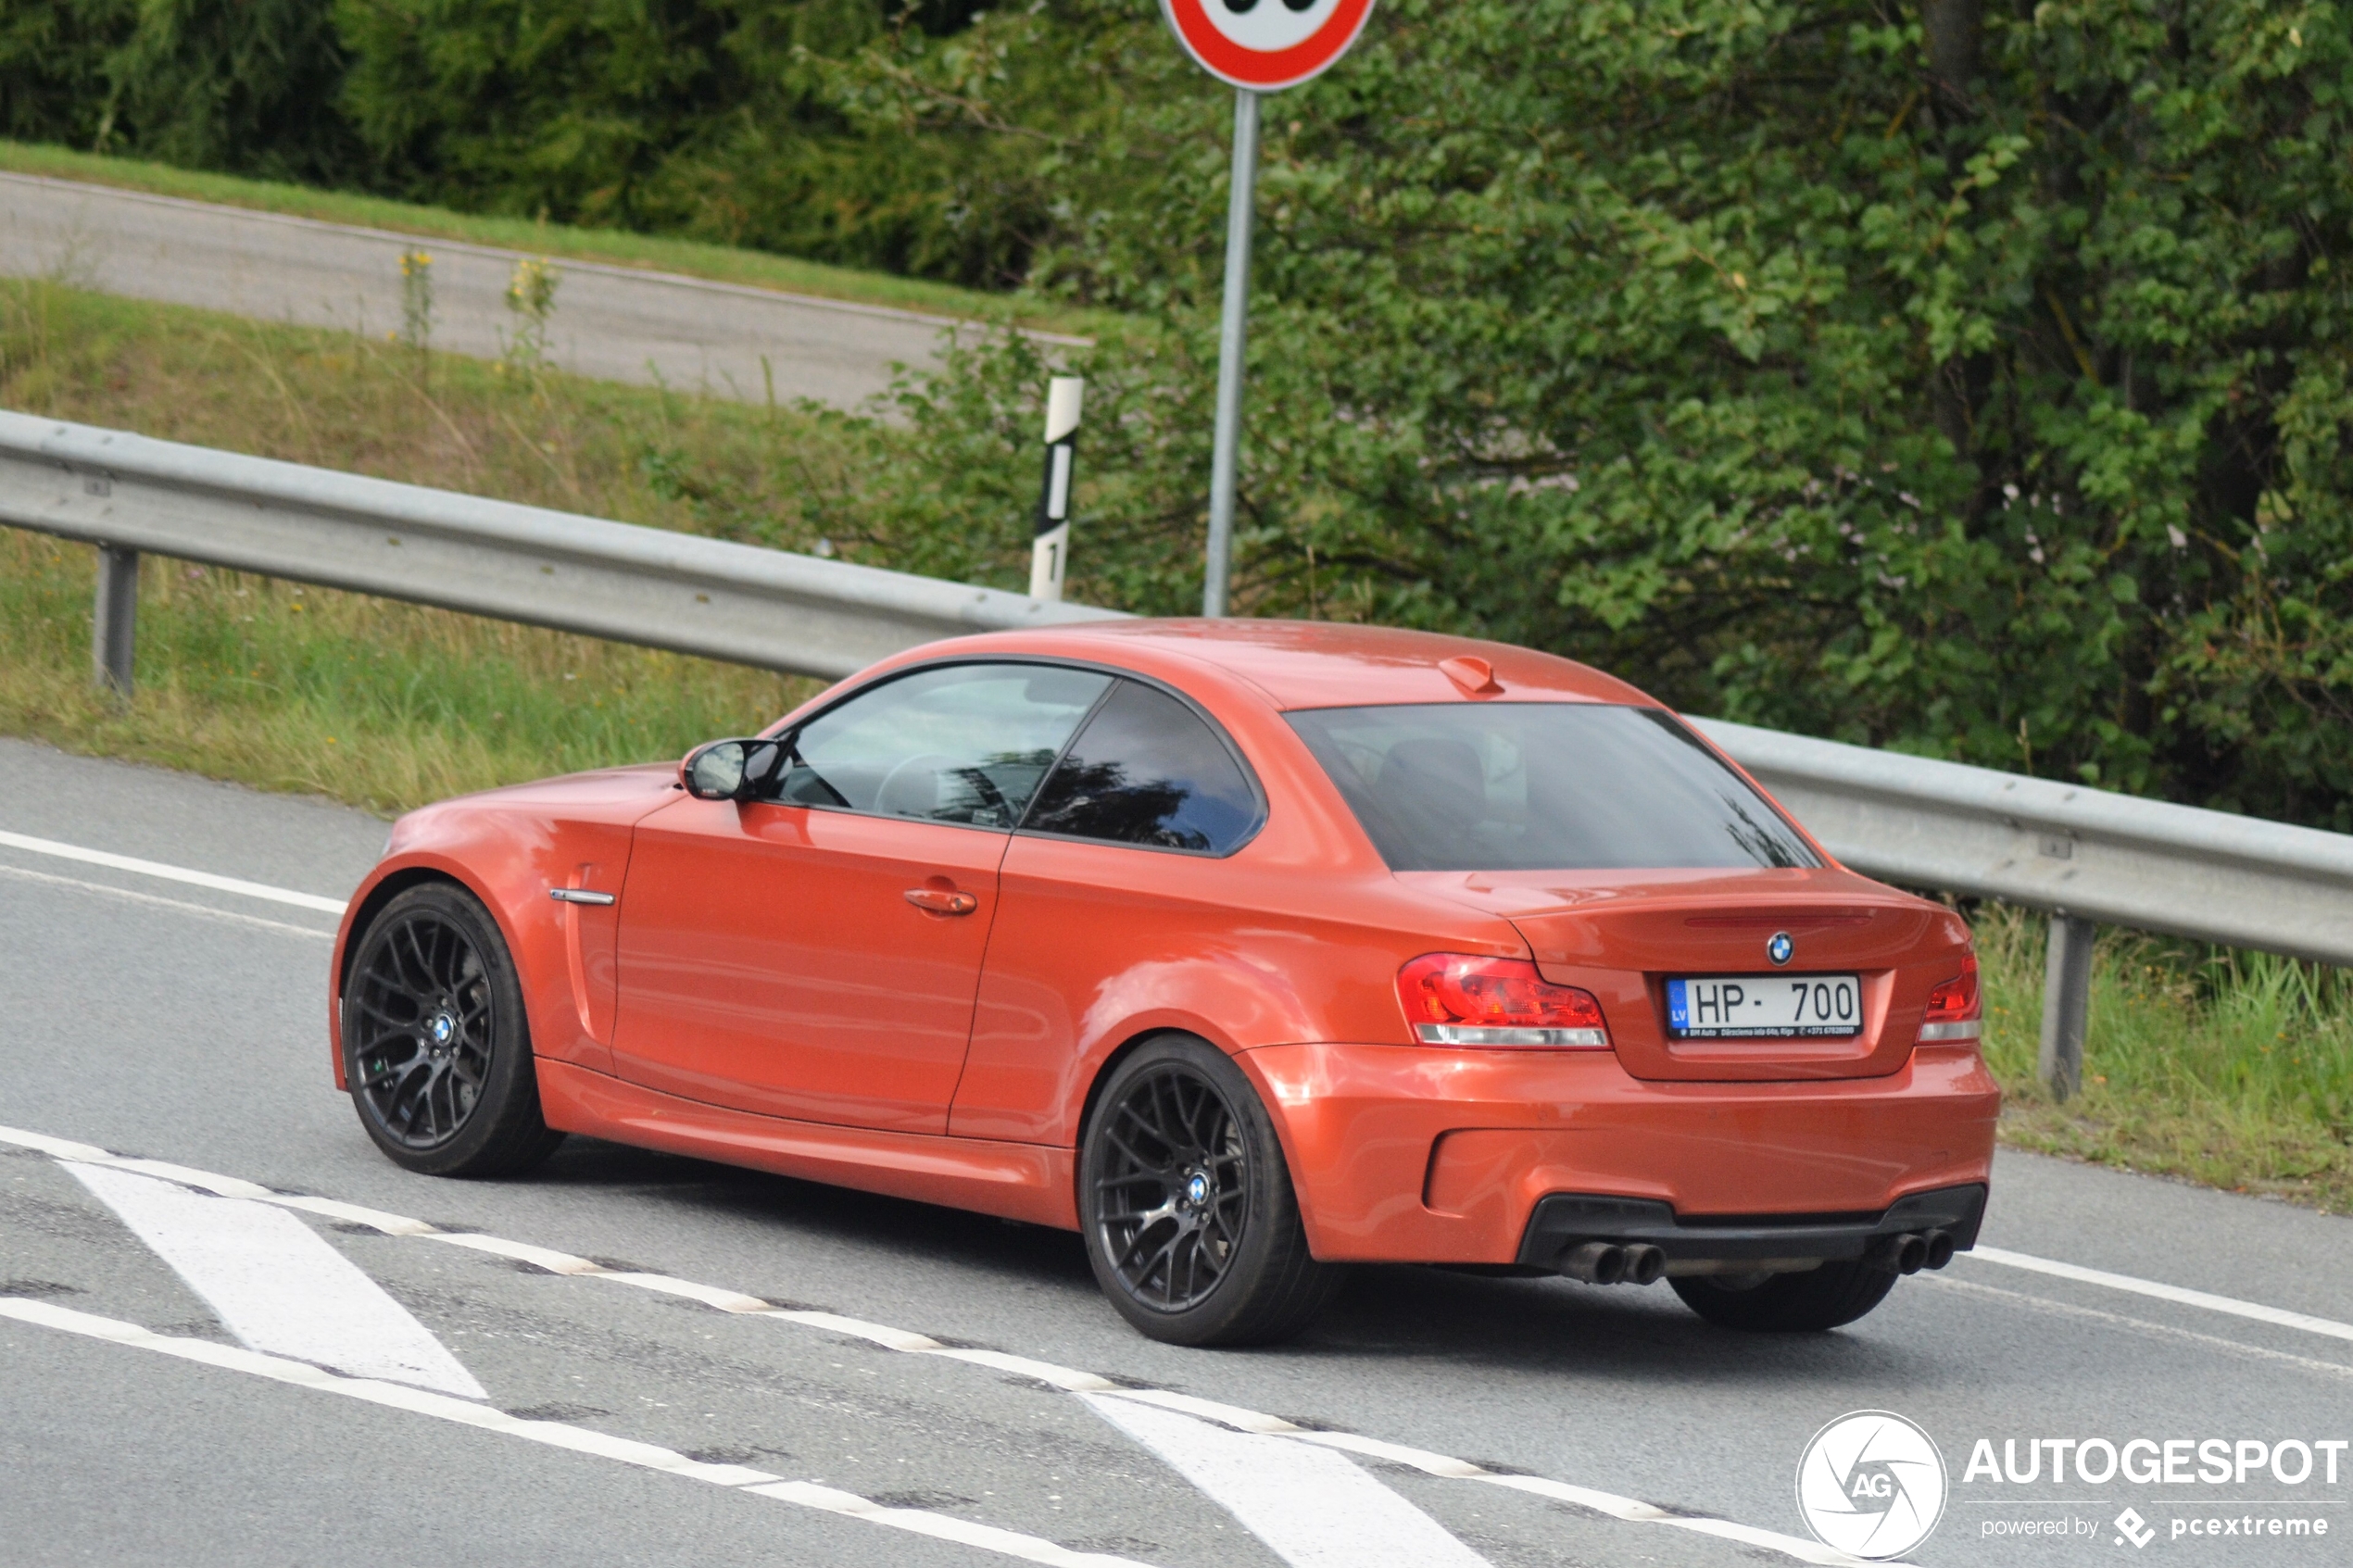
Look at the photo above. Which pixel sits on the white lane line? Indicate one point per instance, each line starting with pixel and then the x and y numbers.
pixel 18 874
pixel 557 1434
pixel 1609 1504
pixel 1313 1506
pixel 2254 1311
pixel 169 874
pixel 2142 1325
pixel 278 1285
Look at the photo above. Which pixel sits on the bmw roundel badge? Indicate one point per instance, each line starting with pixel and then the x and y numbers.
pixel 1781 949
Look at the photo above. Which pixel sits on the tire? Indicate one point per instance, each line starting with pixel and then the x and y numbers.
pixel 1190 1220
pixel 1821 1298
pixel 436 1050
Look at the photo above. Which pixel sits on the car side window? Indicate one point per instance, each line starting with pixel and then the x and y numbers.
pixel 1146 770
pixel 964 743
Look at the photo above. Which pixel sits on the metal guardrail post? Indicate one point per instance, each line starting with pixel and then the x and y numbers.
pixel 2067 1003
pixel 113 626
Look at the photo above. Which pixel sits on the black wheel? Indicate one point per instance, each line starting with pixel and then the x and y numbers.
pixel 1806 1303
pixel 1189 1218
pixel 436 1046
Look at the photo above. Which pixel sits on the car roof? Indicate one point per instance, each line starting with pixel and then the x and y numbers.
pixel 1323 663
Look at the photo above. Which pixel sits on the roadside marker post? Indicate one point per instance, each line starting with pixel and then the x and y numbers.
pixel 1049 548
pixel 1256 47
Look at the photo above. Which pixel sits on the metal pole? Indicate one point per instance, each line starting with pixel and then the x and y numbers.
pixel 2067 1003
pixel 1231 330
pixel 113 625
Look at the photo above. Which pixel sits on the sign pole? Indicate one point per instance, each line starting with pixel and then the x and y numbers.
pixel 1232 329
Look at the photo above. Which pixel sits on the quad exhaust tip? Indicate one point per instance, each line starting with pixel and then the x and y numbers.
pixel 1606 1263
pixel 1911 1253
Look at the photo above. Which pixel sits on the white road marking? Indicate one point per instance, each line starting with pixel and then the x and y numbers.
pixel 1609 1504
pixel 276 1283
pixel 171 873
pixel 2142 1325
pixel 2254 1311
pixel 1313 1506
pixel 18 874
pixel 557 1435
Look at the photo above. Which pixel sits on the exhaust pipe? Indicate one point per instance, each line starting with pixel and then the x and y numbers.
pixel 1903 1254
pixel 1595 1262
pixel 1940 1250
pixel 1644 1264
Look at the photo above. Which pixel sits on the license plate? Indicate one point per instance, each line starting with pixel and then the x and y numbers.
pixel 1780 1006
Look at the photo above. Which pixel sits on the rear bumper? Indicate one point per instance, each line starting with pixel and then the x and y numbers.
pixel 1763 1243
pixel 1420 1154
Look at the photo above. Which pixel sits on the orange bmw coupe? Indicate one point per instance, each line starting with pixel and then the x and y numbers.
pixel 1247 949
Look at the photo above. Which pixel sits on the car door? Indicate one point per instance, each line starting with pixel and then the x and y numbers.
pixel 815 954
pixel 1118 884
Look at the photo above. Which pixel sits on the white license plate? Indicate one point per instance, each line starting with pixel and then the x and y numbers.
pixel 1718 1007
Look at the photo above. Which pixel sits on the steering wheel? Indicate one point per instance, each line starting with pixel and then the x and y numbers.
pixel 902 779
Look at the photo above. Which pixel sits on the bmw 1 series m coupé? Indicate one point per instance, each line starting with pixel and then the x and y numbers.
pixel 1247 949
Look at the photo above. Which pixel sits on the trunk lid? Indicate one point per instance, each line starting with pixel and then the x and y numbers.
pixel 1623 935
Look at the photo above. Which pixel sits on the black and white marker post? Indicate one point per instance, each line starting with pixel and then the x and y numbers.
pixel 1050 550
pixel 1255 48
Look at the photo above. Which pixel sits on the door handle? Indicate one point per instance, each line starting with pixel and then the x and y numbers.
pixel 941 902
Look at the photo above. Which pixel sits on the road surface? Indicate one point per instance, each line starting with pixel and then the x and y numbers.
pixel 616 323
pixel 277 1348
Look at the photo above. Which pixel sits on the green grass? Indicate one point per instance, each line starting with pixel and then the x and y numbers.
pixel 382 705
pixel 618 247
pixel 2231 1069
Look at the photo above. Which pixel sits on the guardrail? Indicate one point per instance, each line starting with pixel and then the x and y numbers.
pixel 128 494
pixel 2086 856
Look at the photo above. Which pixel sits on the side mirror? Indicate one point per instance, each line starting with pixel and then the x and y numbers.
pixel 729 769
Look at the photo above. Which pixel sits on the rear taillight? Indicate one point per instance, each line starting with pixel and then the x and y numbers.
pixel 1454 999
pixel 1955 1011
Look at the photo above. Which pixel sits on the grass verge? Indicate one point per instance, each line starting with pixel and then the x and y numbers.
pixel 2227 1068
pixel 614 247
pixel 382 705
pixel 2233 1070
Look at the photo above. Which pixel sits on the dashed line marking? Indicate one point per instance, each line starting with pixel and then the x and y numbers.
pixel 1312 1506
pixel 277 1284
pixel 559 1434
pixel 1608 1504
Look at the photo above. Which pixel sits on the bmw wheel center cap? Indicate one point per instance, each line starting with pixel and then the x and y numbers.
pixel 1781 949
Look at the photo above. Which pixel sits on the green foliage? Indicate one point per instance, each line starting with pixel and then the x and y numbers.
pixel 1967 376
pixel 247 86
pixel 1986 400
pixel 2230 1068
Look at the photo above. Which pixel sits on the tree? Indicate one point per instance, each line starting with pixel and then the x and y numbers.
pixel 1971 379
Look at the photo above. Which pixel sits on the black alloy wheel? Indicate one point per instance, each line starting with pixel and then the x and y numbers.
pixel 436 1051
pixel 1190 1221
pixel 1172 1197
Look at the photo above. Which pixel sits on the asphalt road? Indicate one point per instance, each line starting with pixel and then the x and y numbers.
pixel 615 323
pixel 143 1017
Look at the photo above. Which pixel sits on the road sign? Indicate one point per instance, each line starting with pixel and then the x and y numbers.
pixel 1266 45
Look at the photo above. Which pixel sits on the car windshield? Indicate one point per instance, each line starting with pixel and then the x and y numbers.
pixel 1543 786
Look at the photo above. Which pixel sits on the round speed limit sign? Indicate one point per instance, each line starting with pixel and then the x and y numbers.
pixel 1266 46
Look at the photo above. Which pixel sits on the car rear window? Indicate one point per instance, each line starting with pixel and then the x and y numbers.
pixel 1147 770
pixel 1543 786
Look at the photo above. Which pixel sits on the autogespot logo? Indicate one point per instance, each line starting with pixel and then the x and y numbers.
pixel 1871 1484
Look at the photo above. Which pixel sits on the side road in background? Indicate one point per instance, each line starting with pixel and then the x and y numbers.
pixel 1246 949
